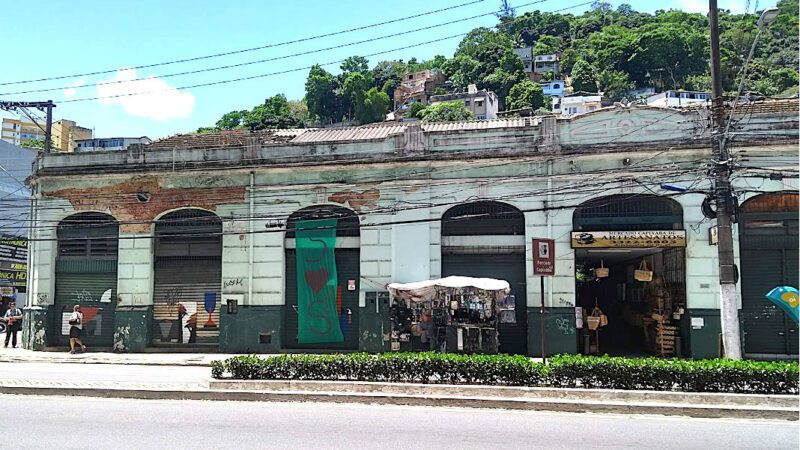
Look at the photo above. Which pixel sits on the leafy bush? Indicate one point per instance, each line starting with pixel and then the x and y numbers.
pixel 388 367
pixel 717 375
pixel 713 375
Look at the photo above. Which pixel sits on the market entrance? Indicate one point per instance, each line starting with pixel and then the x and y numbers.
pixel 86 274
pixel 768 242
pixel 630 274
pixel 188 279
pixel 486 239
pixel 322 243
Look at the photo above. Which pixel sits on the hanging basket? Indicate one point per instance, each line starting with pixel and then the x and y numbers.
pixel 643 273
pixel 601 272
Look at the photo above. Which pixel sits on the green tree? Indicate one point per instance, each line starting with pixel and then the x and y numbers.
pixel 354 64
pixel 676 48
pixel 615 84
pixel 321 95
pixel 273 113
pixel 698 83
pixel 354 89
pixel 484 58
pixel 374 107
pixel 447 112
pixel 231 120
pixel 547 45
pixel 583 77
pixel 206 130
pixel 34 143
pixel 415 110
pixel 525 95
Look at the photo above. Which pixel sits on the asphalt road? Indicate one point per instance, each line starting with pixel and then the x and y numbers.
pixel 62 422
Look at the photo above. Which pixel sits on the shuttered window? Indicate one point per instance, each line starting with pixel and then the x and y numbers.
pixel 188 279
pixel 768 243
pixel 86 274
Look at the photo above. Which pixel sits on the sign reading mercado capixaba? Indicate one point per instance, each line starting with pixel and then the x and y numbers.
pixel 628 239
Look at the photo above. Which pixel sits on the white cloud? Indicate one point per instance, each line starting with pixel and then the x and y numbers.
pixel 69 92
pixel 159 100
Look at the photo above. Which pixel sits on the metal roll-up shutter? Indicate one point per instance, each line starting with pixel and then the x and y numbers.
pixel 179 300
pixel 93 285
pixel 511 267
pixel 769 257
pixel 347 269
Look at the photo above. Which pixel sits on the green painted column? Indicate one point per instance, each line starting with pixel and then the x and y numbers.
pixel 374 323
pixel 36 327
pixel 560 335
pixel 133 328
pixel 252 329
pixel 702 338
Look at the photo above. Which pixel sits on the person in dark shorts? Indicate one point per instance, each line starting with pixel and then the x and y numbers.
pixel 13 320
pixel 75 329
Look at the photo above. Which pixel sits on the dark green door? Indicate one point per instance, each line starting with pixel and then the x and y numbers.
pixel 93 285
pixel 769 258
pixel 513 337
pixel 347 270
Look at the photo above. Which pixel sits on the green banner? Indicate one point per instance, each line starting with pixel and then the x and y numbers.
pixel 318 319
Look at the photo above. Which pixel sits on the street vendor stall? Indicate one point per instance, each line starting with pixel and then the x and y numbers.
pixel 453 314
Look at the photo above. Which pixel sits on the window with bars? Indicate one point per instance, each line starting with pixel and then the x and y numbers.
pixel 88 236
pixel 483 218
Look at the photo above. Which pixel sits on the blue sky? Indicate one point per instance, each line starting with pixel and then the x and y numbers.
pixel 94 35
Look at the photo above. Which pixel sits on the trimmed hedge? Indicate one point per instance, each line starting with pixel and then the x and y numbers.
pixel 715 375
pixel 388 367
pixel 711 375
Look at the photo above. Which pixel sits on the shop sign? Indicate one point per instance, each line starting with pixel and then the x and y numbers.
pixel 13 248
pixel 544 257
pixel 13 278
pixel 629 239
pixel 8 265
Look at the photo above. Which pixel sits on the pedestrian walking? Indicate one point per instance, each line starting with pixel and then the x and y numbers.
pixel 13 320
pixel 75 329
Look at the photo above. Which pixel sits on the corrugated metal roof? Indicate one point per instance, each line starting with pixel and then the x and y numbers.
pixel 512 122
pixel 363 133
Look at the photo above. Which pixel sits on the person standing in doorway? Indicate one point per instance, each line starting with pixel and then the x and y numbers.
pixel 13 320
pixel 75 329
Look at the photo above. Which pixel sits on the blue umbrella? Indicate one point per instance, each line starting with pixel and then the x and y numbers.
pixel 787 298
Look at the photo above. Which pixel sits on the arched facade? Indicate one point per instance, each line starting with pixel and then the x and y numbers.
pixel 614 237
pixel 486 239
pixel 628 212
pixel 321 305
pixel 768 243
pixel 187 278
pixel 86 274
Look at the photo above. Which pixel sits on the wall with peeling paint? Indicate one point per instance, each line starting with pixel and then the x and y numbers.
pixel 408 178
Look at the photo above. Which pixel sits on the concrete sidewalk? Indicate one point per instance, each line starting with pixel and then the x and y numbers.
pixel 91 357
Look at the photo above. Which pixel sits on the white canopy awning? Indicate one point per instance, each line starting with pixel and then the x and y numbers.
pixel 426 290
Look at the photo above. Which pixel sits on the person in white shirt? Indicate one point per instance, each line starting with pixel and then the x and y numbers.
pixel 13 319
pixel 75 329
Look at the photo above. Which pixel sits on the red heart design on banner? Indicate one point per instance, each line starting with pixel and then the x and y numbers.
pixel 317 279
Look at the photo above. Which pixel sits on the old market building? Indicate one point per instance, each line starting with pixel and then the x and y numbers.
pixel 192 241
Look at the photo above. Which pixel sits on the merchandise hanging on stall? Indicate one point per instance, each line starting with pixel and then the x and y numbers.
pixel 453 314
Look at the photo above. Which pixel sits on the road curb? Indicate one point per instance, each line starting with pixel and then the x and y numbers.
pixel 553 405
pixel 504 392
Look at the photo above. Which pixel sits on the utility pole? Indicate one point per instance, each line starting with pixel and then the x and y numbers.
pixel 720 171
pixel 41 106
